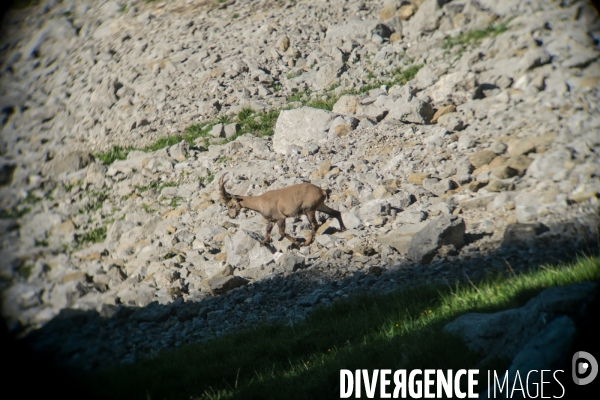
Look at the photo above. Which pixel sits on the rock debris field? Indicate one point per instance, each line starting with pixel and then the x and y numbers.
pixel 457 138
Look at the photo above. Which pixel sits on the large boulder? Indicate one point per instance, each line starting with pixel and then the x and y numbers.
pixel 546 351
pixel 504 334
pixel 400 238
pixel 443 231
pixel 299 127
pixel 414 111
pixel 70 162
pixel 522 233
pixel 453 89
pixel 239 245
pixel 425 20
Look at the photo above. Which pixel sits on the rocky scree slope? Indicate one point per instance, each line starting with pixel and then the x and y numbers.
pixel 485 159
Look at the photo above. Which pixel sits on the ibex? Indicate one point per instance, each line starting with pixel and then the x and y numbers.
pixel 277 205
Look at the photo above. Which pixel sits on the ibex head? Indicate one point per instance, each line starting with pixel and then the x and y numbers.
pixel 232 202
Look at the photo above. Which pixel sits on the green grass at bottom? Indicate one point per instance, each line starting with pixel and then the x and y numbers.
pixel 399 330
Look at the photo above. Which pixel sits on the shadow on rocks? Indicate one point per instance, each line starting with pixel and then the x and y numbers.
pixel 85 341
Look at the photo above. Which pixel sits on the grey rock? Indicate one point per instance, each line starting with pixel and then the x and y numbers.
pixel 231 130
pixel 456 88
pixel 374 208
pixel 451 121
pixel 546 351
pixel 313 299
pixel 96 174
pixel 437 233
pixel 239 245
pixel 352 221
pixel 179 151
pixel 372 111
pixel 259 256
pixel 425 20
pixel 504 334
pixel 477 202
pixel 410 217
pixel 549 165
pixel 223 284
pixel 400 238
pixel 153 312
pixel 346 104
pixel 527 205
pixel 70 162
pixel 299 127
pixel 327 75
pixel 291 263
pixel 501 200
pixel 414 111
pixel 207 233
pixel 341 126
pixel 522 234
pixel 218 131
pixel 356 30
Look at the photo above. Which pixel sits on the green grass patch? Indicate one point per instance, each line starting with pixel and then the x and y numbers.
pixel 259 123
pixel 398 76
pixel 114 154
pixel 175 201
pixel 297 96
pixel 163 142
pixel 205 180
pixel 475 35
pixel 326 102
pixel 92 236
pixel 40 243
pixel 148 209
pixel 95 203
pixel 156 185
pixel 14 213
pixel 400 330
pixel 25 270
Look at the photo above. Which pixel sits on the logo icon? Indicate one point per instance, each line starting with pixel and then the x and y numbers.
pixel 584 363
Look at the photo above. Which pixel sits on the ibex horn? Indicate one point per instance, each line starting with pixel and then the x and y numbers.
pixel 224 195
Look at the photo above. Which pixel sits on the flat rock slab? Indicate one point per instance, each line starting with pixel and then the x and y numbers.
pixel 437 233
pixel 400 238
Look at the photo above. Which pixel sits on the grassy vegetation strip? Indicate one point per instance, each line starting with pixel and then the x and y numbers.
pixel 258 123
pixel 92 236
pixel 475 35
pixel 397 77
pixel 261 123
pixel 401 330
